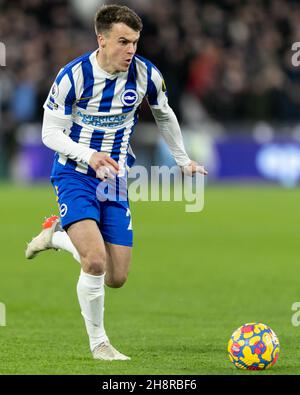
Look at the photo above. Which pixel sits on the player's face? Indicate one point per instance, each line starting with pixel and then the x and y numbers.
pixel 117 47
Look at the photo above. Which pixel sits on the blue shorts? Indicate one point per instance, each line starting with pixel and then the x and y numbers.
pixel 77 200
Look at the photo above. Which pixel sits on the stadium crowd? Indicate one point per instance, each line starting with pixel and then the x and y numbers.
pixel 233 56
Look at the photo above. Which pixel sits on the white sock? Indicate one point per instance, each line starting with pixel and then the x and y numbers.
pixel 90 291
pixel 61 240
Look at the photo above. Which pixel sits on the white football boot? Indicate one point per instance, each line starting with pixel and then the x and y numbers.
pixel 42 241
pixel 107 352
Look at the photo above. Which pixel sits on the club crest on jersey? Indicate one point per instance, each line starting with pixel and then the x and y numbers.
pixel 129 97
pixel 63 208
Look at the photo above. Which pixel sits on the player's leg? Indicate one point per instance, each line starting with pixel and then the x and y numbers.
pixel 52 236
pixel 118 259
pixel 116 230
pixel 118 239
pixel 75 208
pixel 61 241
pixel 87 240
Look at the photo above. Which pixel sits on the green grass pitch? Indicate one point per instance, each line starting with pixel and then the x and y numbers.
pixel 193 280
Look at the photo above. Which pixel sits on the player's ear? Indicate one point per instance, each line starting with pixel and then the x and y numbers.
pixel 101 41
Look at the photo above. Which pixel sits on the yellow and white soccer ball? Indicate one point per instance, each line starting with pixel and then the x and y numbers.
pixel 253 346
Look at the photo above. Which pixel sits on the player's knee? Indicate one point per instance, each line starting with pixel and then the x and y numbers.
pixel 115 281
pixel 94 263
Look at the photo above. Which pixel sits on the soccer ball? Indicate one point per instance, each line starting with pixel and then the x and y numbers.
pixel 253 346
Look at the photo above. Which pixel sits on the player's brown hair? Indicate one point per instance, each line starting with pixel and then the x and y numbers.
pixel 107 15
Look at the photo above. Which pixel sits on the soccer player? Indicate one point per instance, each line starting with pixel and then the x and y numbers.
pixel 89 116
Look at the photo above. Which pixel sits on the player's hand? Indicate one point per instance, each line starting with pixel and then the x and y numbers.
pixel 193 168
pixel 104 166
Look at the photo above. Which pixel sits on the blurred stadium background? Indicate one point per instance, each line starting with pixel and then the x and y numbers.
pixel 227 65
pixel 230 78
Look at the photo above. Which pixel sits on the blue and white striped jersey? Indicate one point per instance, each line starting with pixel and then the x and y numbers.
pixel 102 109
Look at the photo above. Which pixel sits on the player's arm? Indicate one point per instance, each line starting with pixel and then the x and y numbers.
pixel 53 137
pixel 58 119
pixel 168 125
